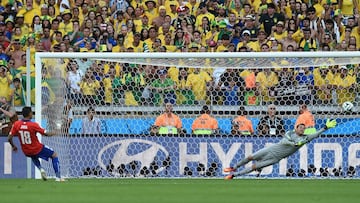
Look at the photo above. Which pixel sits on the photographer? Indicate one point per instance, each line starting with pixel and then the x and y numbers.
pixel 271 124
pixel 105 42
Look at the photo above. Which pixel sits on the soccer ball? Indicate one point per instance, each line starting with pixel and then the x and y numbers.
pixel 347 106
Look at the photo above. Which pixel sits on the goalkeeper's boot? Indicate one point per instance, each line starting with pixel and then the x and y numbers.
pixel 229 169
pixel 59 179
pixel 43 174
pixel 229 177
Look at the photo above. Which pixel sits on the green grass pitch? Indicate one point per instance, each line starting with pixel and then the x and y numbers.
pixel 153 190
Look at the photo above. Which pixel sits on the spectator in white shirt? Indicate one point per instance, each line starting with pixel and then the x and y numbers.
pixel 90 124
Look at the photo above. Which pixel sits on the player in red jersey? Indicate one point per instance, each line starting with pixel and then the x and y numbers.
pixel 26 130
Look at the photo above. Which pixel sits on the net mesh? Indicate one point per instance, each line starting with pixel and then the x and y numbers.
pixel 125 94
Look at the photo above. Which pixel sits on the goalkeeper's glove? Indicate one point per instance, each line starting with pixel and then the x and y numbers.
pixel 330 123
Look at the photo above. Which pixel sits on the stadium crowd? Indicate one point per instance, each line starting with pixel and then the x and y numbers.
pixel 180 26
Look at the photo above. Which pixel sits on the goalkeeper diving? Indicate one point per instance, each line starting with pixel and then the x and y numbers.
pixel 291 142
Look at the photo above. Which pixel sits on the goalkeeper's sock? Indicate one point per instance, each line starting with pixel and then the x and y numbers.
pixel 244 171
pixel 36 162
pixel 56 166
pixel 242 162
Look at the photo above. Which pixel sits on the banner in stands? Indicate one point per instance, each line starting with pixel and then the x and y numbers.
pixel 195 156
pixel 291 90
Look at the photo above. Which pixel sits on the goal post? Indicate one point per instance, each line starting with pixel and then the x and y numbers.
pixel 125 145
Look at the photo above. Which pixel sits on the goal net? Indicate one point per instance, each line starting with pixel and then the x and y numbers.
pixel 107 109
